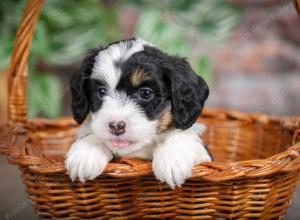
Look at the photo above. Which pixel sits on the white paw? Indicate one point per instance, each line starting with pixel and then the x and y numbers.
pixel 170 171
pixel 86 160
pixel 174 160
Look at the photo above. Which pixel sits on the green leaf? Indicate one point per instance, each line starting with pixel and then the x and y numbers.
pixel 40 45
pixel 170 38
pixel 214 20
pixel 6 49
pixel 74 27
pixel 205 68
pixel 180 5
pixel 45 96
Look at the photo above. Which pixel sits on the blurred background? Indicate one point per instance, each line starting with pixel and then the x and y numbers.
pixel 247 50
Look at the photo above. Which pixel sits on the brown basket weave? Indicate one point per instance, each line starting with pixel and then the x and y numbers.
pixel 256 168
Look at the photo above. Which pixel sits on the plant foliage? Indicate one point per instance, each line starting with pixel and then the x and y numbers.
pixel 69 28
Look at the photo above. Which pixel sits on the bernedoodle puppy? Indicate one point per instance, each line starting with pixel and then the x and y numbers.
pixel 132 100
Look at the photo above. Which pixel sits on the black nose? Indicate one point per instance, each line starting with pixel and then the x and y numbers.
pixel 117 127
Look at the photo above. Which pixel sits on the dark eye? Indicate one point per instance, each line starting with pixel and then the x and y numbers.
pixel 145 93
pixel 102 91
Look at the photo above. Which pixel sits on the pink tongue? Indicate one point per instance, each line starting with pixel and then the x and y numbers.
pixel 120 143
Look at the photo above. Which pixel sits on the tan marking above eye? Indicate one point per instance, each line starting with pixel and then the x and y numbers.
pixel 139 76
pixel 165 121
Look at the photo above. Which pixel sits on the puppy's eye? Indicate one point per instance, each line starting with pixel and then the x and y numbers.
pixel 145 93
pixel 102 91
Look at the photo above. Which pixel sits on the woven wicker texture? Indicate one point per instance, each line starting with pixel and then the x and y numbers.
pixel 256 167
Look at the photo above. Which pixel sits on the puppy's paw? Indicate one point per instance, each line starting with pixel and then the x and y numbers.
pixel 86 160
pixel 173 162
pixel 173 171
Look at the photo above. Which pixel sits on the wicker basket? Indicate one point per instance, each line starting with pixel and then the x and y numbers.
pixel 255 173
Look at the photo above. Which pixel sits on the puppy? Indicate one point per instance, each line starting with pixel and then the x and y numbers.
pixel 132 100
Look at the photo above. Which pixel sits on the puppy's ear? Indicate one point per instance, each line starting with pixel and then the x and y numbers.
pixel 188 93
pixel 80 105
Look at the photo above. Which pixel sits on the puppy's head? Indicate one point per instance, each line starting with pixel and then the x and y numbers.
pixel 135 92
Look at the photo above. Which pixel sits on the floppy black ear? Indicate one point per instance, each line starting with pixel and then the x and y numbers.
pixel 189 92
pixel 80 105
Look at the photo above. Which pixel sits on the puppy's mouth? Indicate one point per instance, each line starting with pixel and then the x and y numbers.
pixel 121 143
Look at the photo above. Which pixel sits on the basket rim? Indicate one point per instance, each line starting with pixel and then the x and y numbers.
pixel 284 162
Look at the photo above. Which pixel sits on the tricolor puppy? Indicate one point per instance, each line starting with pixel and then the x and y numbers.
pixel 135 101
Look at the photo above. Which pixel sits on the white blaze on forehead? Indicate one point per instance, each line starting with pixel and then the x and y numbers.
pixel 105 68
pixel 118 106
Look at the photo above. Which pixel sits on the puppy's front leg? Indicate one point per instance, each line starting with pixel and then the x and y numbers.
pixel 86 158
pixel 176 155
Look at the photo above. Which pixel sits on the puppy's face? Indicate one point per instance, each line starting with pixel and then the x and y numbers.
pixel 135 92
